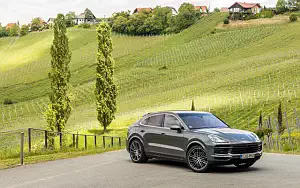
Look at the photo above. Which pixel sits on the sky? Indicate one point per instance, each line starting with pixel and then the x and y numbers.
pixel 24 11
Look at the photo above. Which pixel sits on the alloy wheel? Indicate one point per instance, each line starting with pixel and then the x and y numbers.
pixel 197 159
pixel 135 151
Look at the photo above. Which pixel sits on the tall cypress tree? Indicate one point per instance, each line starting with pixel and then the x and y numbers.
pixel 105 91
pixel 279 118
pixel 59 109
pixel 193 106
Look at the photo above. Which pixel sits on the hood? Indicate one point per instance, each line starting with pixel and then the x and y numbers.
pixel 233 135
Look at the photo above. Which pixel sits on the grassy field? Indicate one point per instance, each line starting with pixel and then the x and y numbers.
pixel 233 72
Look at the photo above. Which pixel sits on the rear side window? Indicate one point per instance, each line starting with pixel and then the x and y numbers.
pixel 170 121
pixel 155 120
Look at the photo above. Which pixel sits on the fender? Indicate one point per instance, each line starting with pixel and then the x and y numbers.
pixel 137 137
pixel 196 141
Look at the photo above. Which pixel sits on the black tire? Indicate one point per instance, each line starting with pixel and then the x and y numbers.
pixel 197 159
pixel 245 165
pixel 136 152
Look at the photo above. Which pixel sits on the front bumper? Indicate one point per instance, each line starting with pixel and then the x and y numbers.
pixel 234 156
pixel 231 153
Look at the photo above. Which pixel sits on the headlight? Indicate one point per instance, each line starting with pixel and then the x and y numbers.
pixel 256 137
pixel 217 139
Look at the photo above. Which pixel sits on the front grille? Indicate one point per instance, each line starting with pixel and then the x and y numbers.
pixel 238 148
pixel 221 150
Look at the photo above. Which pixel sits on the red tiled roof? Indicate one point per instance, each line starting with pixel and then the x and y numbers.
pixel 10 25
pixel 142 9
pixel 247 5
pixel 203 8
pixel 224 9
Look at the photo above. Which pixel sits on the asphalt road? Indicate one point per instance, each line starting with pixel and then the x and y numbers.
pixel 114 169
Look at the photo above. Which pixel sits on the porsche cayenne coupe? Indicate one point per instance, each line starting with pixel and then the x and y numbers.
pixel 198 138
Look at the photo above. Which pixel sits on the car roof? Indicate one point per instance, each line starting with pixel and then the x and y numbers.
pixel 178 112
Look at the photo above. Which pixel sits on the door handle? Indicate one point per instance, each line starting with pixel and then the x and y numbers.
pixel 142 131
pixel 163 133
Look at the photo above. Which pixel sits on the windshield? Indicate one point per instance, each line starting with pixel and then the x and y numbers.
pixel 201 121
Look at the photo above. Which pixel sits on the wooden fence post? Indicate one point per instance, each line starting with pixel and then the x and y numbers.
pixel 95 141
pixel 73 140
pixel 112 141
pixel 103 139
pixel 60 140
pixel 85 141
pixel 22 149
pixel 77 140
pixel 46 139
pixel 120 141
pixel 29 139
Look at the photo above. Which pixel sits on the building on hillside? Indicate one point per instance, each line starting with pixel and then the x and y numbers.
pixel 86 17
pixel 9 26
pixel 174 11
pixel 245 8
pixel 42 22
pixel 50 21
pixel 138 10
pixel 224 9
pixel 202 9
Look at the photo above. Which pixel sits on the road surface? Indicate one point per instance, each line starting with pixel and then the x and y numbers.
pixel 114 169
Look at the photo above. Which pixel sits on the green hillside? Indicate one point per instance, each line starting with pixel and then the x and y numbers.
pixel 234 73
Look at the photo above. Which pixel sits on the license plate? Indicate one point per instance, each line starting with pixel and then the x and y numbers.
pixel 247 156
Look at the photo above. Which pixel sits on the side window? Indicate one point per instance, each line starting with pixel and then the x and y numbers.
pixel 155 120
pixel 171 120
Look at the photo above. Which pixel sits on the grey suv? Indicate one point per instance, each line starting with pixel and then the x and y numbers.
pixel 198 138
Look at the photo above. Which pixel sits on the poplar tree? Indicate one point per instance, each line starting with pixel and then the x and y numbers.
pixel 59 109
pixel 105 90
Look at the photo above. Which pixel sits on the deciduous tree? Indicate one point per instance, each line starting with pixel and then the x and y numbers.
pixel 24 30
pixel 186 17
pixel 281 6
pixel 70 19
pixel 14 30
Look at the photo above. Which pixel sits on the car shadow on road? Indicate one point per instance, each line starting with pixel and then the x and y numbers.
pixel 216 169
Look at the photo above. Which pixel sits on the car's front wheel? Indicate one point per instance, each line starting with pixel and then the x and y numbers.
pixel 197 159
pixel 245 165
pixel 136 151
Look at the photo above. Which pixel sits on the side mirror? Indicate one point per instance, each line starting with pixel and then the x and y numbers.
pixel 176 128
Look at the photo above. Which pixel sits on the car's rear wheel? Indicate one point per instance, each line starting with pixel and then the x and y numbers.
pixel 245 165
pixel 197 159
pixel 136 151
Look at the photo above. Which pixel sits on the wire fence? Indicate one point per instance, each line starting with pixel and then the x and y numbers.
pixel 31 141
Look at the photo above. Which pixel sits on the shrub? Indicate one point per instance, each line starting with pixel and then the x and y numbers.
pixel 163 67
pixel 8 102
pixel 266 14
pixel 84 25
pixel 293 18
pixel 226 21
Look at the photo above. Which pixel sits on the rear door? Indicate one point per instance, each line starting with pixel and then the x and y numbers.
pixel 151 129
